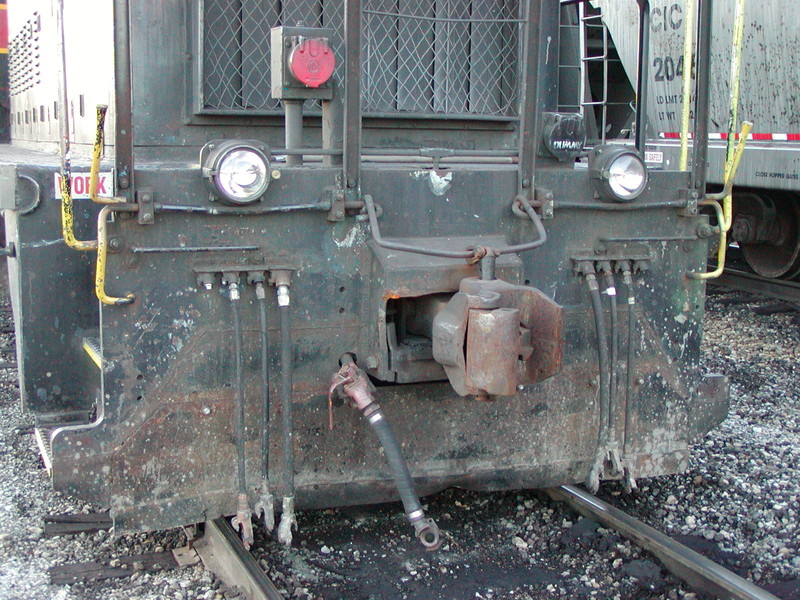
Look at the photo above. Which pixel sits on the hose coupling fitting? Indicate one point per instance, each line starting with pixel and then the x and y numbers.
pixel 288 521
pixel 426 530
pixel 265 507
pixel 231 280
pixel 242 522
pixel 283 295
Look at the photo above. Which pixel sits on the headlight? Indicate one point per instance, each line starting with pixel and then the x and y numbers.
pixel 237 171
pixel 619 171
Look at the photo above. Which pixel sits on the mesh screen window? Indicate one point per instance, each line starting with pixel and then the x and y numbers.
pixel 448 57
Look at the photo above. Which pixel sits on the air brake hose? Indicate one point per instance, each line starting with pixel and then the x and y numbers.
pixel 587 269
pixel 357 387
pixel 611 292
pixel 627 279
pixel 265 504
pixel 241 521
pixel 288 518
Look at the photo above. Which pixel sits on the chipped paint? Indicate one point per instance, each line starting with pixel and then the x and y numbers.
pixel 355 237
pixel 439 184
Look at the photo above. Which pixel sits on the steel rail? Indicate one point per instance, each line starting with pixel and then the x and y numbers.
pixel 223 553
pixel 695 569
pixel 778 289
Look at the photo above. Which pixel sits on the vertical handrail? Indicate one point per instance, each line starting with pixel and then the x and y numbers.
pixel 736 66
pixel 352 96
pixel 686 104
pixel 529 113
pixel 702 87
pixel 123 100
pixel 642 73
pixel 67 216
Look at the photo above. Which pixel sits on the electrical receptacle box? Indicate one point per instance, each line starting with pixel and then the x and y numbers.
pixel 302 62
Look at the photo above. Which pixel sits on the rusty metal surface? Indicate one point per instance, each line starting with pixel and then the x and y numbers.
pixel 494 345
pixel 164 451
pixel 494 336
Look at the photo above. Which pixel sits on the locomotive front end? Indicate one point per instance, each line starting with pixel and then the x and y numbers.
pixel 391 212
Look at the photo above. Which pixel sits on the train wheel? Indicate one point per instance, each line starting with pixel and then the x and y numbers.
pixel 768 232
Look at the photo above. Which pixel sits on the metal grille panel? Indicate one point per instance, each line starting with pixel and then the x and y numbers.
pixel 451 57
pixel 24 64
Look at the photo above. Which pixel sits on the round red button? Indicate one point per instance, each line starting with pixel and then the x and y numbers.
pixel 312 62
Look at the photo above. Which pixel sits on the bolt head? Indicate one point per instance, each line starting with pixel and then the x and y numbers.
pixel 206 410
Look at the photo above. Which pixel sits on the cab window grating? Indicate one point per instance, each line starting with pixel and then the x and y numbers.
pixel 435 57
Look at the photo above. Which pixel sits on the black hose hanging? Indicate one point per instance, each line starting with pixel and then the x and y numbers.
pixel 265 403
pixel 627 279
pixel 288 519
pixel 593 479
pixel 356 386
pixel 265 504
pixel 397 464
pixel 239 417
pixel 242 521
pixel 602 356
pixel 611 292
pixel 286 401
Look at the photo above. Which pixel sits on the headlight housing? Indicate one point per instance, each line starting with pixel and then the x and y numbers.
pixel 236 171
pixel 619 172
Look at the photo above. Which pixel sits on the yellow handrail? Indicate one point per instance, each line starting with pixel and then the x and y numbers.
pixel 94 172
pixel 100 271
pixel 712 200
pixel 736 65
pixel 688 47
pixel 67 216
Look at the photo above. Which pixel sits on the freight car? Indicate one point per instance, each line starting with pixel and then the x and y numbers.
pixel 766 207
pixel 387 207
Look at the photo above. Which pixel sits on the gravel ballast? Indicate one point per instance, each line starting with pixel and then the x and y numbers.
pixel 739 502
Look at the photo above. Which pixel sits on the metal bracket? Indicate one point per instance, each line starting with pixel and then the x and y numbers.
pixel 8 250
pixel 337 211
pixel 146 214
pixel 437 154
pixel 692 197
pixel 615 251
pixel 544 198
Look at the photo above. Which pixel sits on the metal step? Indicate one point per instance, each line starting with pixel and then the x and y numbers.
pixel 92 347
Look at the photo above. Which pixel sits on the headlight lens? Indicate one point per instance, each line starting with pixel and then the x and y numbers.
pixel 621 173
pixel 237 171
pixel 243 175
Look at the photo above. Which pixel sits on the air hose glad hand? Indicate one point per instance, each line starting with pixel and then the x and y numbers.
pixel 353 383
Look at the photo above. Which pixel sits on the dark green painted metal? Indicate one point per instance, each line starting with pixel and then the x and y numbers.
pixel 162 449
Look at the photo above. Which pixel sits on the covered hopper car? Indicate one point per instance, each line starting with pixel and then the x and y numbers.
pixel 766 205
pixel 306 207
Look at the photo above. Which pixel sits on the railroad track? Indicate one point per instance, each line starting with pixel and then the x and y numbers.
pixel 695 569
pixel 778 289
pixel 222 552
